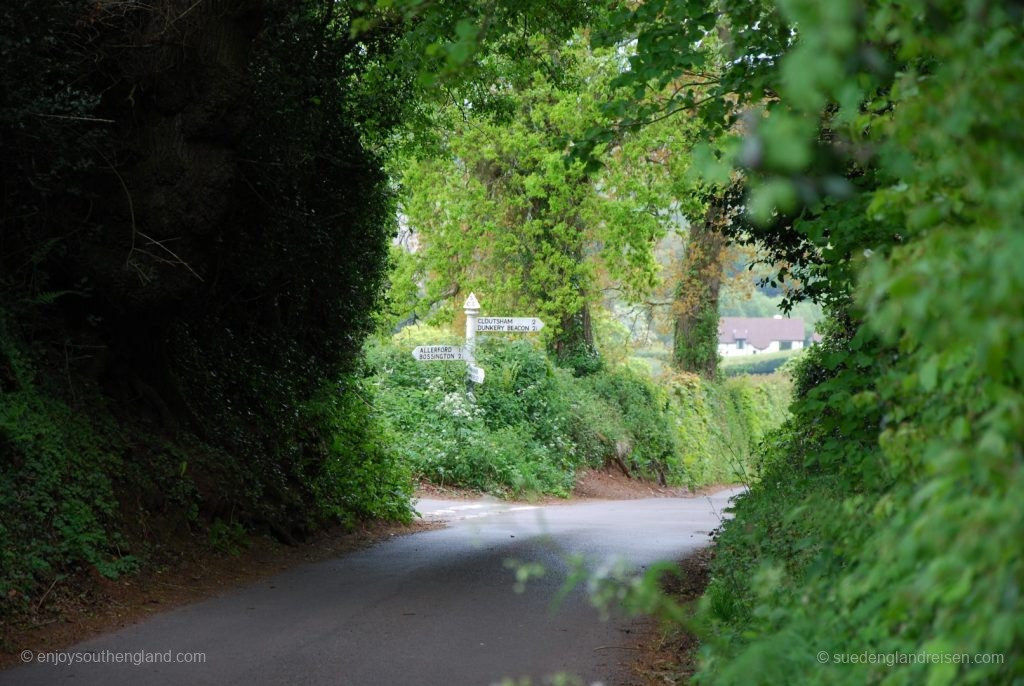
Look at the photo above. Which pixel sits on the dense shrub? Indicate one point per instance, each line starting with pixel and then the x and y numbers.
pixel 885 167
pixel 514 437
pixel 642 411
pixel 57 499
pixel 858 543
pixel 81 490
pixel 532 424
pixel 718 424
pixel 194 222
pixel 361 477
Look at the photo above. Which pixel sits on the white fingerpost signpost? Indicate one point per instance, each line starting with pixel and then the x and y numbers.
pixel 474 323
pixel 472 308
pixel 434 353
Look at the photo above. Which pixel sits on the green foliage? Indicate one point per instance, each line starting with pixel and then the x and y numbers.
pixel 456 44
pixel 801 569
pixel 193 238
pixel 80 491
pixel 642 408
pixel 227 538
pixel 401 299
pixel 362 477
pixel 880 146
pixel 56 496
pixel 531 425
pixel 501 213
pixel 221 256
pixel 512 438
pixel 718 424
pixel 57 502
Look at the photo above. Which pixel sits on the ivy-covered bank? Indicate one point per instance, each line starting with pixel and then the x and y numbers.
pixel 84 485
pixel 871 536
pixel 194 223
pixel 532 424
pixel 884 162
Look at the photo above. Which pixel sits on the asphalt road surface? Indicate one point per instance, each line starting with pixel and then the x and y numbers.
pixel 437 608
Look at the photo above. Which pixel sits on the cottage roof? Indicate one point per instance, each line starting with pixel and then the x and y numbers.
pixel 760 331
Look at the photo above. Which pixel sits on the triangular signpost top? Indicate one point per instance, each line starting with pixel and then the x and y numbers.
pixel 431 353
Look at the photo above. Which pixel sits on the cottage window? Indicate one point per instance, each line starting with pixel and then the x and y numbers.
pixel 741 343
pixel 785 345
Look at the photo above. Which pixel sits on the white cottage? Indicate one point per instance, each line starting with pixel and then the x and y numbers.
pixel 751 335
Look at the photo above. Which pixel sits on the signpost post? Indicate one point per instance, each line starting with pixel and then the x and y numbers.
pixel 474 374
pixel 472 308
pixel 467 352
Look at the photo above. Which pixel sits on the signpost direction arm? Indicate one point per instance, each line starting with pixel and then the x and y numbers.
pixel 510 324
pixel 434 353
pixel 467 353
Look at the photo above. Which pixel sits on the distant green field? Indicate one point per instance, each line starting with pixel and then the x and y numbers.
pixel 766 363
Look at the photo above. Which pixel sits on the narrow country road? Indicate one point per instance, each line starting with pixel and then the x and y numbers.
pixel 436 608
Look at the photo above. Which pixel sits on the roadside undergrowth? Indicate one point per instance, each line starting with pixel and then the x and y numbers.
pixel 532 425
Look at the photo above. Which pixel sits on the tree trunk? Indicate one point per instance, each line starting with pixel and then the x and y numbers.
pixel 574 346
pixel 695 347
